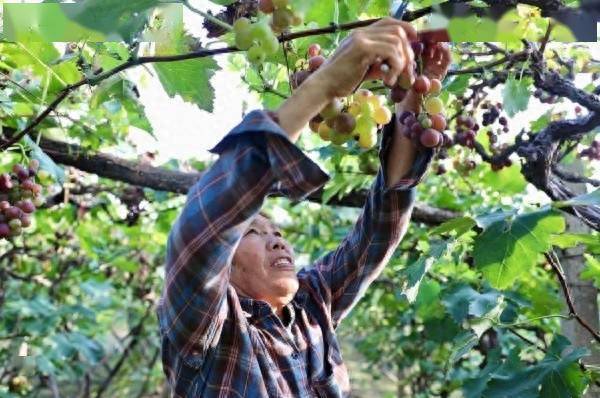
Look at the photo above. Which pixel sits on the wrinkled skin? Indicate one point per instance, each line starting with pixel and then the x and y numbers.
pixel 253 272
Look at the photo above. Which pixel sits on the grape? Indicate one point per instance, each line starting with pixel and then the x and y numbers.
pixel 12 212
pixel 503 121
pixel 430 138
pixel 27 184
pixel 297 18
pixel 366 108
pixel 362 95
pixel 299 77
pixel 241 28
pixel 314 125
pixel 365 124
pixel 260 32
pixel 425 122
pixel 241 25
pixel 25 220
pixel 4 205
pixel 417 48
pixel 354 109
pixel 266 6
pixel 314 50
pixel 421 85
pixel 325 132
pixel 256 55
pixel 578 109
pixel 404 81
pixel 315 62
pixel 21 172
pixel 4 230
pixel 38 201
pixel 438 122
pixel 14 224
pixel 339 138
pixel 434 105
pixel 329 122
pixel 270 45
pixel 382 115
pixel 367 139
pixel 332 109
pixel 344 123
pixel 282 18
pixel 440 170
pixel 34 165
pixel 26 205
pixel 436 86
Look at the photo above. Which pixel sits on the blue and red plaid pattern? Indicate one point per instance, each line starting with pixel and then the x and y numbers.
pixel 218 344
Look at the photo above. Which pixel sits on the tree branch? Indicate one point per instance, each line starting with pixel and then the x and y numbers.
pixel 179 182
pixel 556 267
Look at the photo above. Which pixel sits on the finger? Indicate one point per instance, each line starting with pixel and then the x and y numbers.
pixel 375 72
pixel 409 30
pixel 392 56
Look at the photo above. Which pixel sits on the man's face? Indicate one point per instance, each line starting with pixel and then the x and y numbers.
pixel 263 264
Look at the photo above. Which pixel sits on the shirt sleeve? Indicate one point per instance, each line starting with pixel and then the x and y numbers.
pixel 256 159
pixel 342 275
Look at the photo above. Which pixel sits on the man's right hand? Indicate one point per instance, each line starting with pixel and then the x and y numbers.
pixel 386 40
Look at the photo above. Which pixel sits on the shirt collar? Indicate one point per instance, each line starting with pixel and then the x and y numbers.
pixel 258 309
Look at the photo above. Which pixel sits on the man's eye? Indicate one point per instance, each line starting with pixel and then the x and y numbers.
pixel 278 234
pixel 251 230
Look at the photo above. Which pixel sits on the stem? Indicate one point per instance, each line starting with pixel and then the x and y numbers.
pixel 208 16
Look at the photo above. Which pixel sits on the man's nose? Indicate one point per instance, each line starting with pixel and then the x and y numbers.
pixel 278 243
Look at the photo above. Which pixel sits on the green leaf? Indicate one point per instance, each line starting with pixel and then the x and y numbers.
pixel 508 181
pixel 509 246
pixel 567 240
pixel 223 2
pixel 588 199
pixel 458 224
pixel 557 374
pixel 458 85
pixel 189 79
pixel 462 344
pixel 516 95
pixel 414 273
pixel 462 301
pixel 46 163
pixel 120 20
pixel 471 28
pixel 592 272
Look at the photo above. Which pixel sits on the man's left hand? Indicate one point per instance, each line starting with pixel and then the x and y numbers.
pixel 436 60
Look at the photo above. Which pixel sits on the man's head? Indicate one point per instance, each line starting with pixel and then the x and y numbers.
pixel 263 264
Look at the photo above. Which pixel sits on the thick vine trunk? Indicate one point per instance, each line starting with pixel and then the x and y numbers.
pixel 583 292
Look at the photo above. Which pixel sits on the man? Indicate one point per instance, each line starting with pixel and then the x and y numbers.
pixel 235 318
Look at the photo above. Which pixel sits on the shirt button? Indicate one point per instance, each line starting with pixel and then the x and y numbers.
pixel 295 355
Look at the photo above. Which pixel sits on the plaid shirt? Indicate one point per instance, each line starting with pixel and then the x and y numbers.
pixel 218 344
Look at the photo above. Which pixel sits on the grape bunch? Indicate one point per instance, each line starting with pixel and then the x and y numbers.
pixel 20 195
pixel 466 131
pixel 282 15
pixel 357 116
pixel 592 152
pixel 257 38
pixel 425 128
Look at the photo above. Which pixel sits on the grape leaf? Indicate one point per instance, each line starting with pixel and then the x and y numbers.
pixel 557 374
pixel 508 181
pixel 223 2
pixel 516 95
pixel 588 199
pixel 592 272
pixel 414 273
pixel 458 224
pixel 462 301
pixel 471 28
pixel 508 246
pixel 123 19
pixel 190 78
pixel 46 163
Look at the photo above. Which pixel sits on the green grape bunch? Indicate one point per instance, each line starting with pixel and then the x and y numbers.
pixel 258 38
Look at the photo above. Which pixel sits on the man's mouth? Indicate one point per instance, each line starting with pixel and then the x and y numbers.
pixel 284 263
